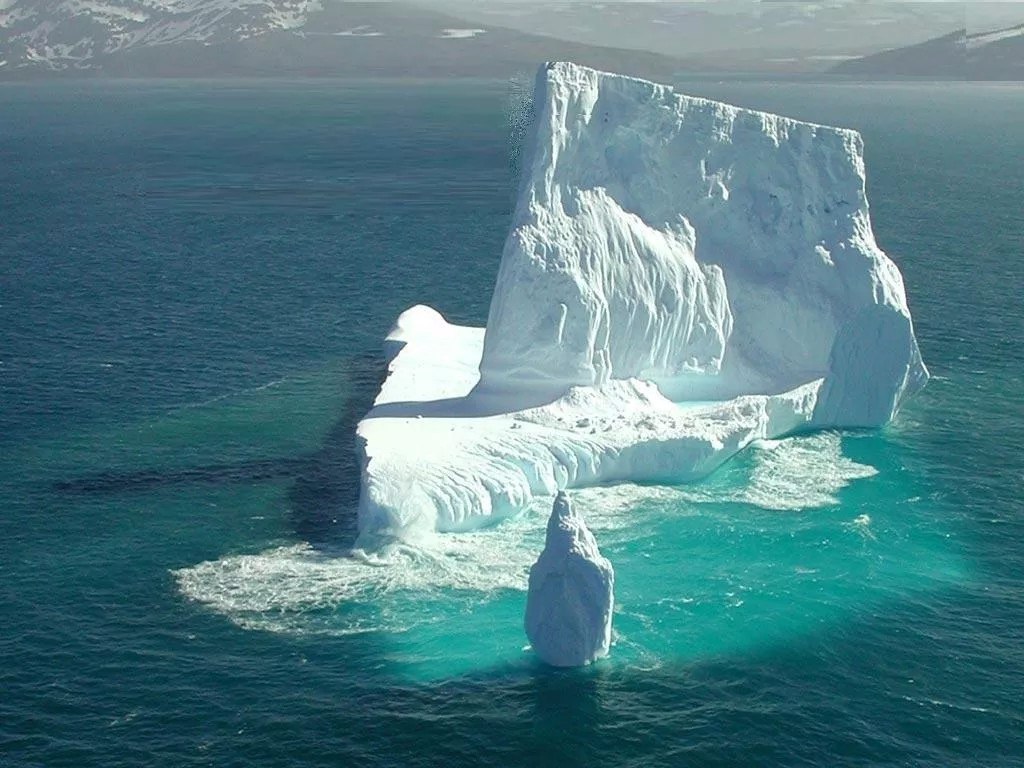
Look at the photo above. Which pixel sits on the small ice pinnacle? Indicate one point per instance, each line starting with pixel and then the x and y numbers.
pixel 569 603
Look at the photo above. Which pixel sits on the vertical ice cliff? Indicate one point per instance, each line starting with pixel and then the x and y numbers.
pixel 571 593
pixel 713 250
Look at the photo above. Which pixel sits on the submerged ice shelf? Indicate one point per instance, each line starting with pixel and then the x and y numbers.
pixel 681 277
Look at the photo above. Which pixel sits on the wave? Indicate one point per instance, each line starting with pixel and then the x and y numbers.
pixel 245 391
pixel 290 588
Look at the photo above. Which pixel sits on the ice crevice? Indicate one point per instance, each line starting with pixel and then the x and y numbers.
pixel 681 277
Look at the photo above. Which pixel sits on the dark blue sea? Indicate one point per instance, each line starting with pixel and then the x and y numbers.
pixel 194 282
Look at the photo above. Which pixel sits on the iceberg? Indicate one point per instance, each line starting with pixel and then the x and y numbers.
pixel 571 593
pixel 681 277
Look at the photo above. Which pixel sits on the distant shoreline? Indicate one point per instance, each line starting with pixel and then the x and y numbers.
pixel 79 78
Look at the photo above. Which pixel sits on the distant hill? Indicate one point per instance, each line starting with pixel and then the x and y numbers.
pixel 995 55
pixel 941 58
pixel 281 38
pixel 322 38
pixel 748 37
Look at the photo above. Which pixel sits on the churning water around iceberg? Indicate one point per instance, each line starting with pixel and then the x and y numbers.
pixel 196 279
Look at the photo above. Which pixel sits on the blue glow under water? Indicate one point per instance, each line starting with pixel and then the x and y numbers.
pixel 195 282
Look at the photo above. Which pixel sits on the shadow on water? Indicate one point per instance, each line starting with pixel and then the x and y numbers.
pixel 112 482
pixel 322 501
pixel 325 490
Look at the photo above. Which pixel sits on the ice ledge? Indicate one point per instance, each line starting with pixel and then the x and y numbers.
pixel 439 458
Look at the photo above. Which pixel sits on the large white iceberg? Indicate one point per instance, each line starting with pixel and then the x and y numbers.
pixel 681 278
pixel 571 593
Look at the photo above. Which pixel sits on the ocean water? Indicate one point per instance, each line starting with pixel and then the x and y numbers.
pixel 194 282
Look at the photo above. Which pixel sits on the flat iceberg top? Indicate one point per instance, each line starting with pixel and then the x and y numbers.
pixel 681 277
pixel 571 593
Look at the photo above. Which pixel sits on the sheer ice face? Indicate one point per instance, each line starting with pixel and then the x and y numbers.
pixel 571 593
pixel 681 277
pixel 712 250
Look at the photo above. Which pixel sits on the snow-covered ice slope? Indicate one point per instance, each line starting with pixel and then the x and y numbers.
pixel 571 594
pixel 681 277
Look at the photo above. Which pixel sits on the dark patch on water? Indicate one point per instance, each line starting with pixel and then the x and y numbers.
pixel 323 498
pixel 141 480
pixel 325 489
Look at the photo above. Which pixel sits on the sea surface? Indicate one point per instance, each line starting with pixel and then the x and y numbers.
pixel 194 282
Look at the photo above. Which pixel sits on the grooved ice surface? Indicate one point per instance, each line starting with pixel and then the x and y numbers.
pixel 571 594
pixel 713 250
pixel 681 277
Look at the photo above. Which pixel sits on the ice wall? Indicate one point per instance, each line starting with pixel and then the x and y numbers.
pixel 713 250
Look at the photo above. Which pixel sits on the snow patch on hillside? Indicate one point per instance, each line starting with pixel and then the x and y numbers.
pixel 450 34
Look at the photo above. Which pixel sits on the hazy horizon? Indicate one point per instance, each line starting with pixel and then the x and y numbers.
pixel 184 38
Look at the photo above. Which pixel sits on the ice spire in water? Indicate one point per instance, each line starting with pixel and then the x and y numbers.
pixel 569 604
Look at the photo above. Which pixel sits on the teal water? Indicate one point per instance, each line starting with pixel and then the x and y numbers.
pixel 195 281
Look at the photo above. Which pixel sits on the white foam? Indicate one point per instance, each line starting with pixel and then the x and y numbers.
pixel 300 589
pixel 789 475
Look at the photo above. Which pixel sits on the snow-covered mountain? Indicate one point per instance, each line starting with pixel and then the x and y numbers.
pixel 143 38
pixel 185 38
pixel 64 34
pixel 997 54
pixel 728 35
pixel 965 55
